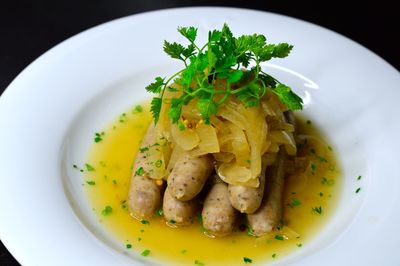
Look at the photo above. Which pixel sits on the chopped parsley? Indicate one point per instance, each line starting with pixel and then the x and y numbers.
pixel 75 166
pixel 330 148
pixel 139 171
pixel 107 211
pixel 274 255
pixel 123 118
pixel 313 167
pixel 183 251
pixel 247 260
pixel 98 136
pixel 250 231
pixel 222 57
pixel 359 177
pixel 158 163
pixel 317 210
pixel 89 168
pixel 308 122
pixel 142 150
pixel 128 246
pixel 114 181
pixel 358 190
pixel 322 159
pixel 91 182
pixel 137 109
pixel 199 263
pixel 294 203
pixel 321 194
pixel 326 181
pixel 144 222
pixel 124 205
pixel 299 245
pixel 160 212
pixel 278 237
pixel 145 253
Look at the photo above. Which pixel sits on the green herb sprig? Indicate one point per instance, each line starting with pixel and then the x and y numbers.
pixel 222 57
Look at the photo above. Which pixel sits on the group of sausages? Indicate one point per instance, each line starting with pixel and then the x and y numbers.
pixel 222 202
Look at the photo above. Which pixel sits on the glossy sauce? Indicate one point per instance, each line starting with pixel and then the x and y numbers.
pixel 309 199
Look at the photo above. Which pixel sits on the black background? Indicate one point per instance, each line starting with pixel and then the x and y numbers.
pixel 28 29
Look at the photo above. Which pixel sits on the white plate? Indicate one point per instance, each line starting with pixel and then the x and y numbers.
pixel 50 111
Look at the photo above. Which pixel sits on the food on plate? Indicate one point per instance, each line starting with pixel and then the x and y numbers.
pixel 178 212
pixel 247 199
pixel 217 160
pixel 144 196
pixel 189 175
pixel 269 215
pixel 218 214
pixel 219 115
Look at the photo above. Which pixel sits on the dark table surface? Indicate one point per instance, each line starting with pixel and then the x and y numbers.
pixel 28 29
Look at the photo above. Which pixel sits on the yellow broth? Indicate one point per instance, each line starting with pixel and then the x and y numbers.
pixel 309 199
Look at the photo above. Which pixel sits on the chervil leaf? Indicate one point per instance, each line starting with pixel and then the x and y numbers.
pixel 268 80
pixel 243 44
pixel 288 97
pixel 156 86
pixel 282 50
pixel 248 98
pixel 189 51
pixel 226 62
pixel 244 59
pixel 174 49
pixel 222 57
pixel 187 75
pixel 175 110
pixel 207 108
pixel 201 63
pixel 189 32
pixel 226 31
pixel 275 50
pixel 212 58
pixel 214 36
pixel 155 108
pixel 235 76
